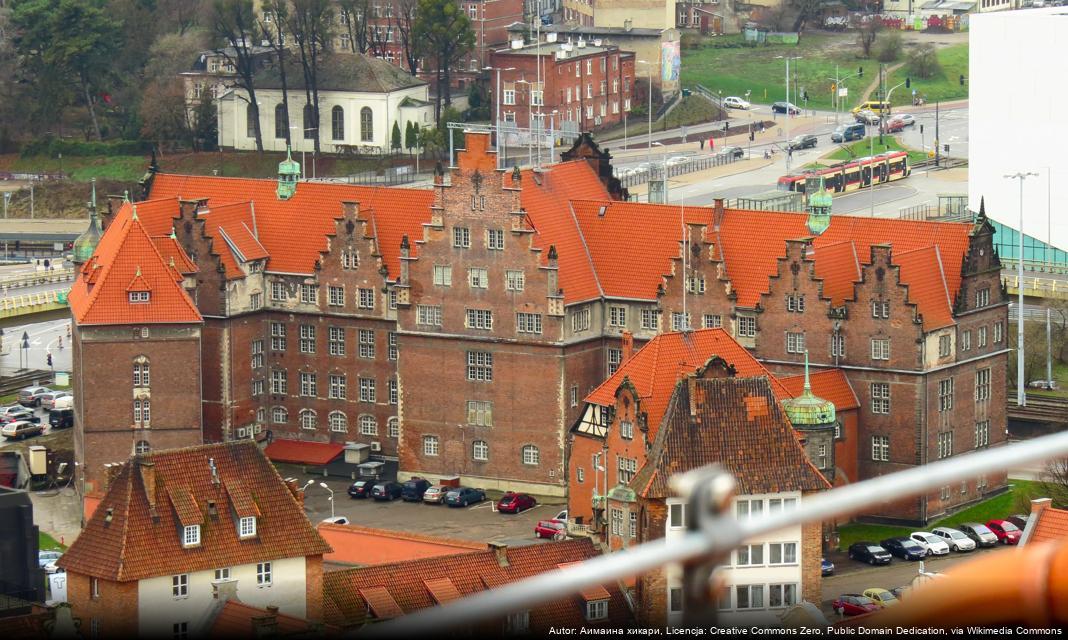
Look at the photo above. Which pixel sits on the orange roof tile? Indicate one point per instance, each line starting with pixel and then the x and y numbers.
pixel 139 541
pixel 303 451
pixel 921 269
pixel 381 604
pixel 125 255
pixel 442 590
pixel 173 253
pixel 185 506
pixel 238 620
pixel 837 265
pixel 354 544
pixel 656 367
pixel 830 385
pixel 596 592
pixel 1051 524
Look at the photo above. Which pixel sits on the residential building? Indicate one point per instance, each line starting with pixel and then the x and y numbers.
pixel 381 592
pixel 650 14
pixel 706 16
pixel 737 423
pixel 574 86
pixel 214 71
pixel 180 530
pixel 360 100
pixel 578 12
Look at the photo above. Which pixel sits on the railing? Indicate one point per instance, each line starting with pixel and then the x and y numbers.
pixel 705 93
pixel 1037 287
pixel 712 533
pixel 390 177
pixel 1011 264
pixel 697 163
pixel 33 303
pixel 36 278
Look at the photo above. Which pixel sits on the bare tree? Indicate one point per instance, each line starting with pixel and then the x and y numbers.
pixel 180 15
pixel 354 16
pixel 234 22
pixel 274 34
pixel 310 23
pixel 867 34
pixel 404 22
pixel 1054 482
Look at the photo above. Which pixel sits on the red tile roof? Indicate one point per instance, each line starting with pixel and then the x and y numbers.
pixel 442 590
pixel 357 545
pixel 173 253
pixel 922 270
pixel 303 452
pixel 830 385
pixel 1050 524
pixel 656 367
pixel 838 266
pixel 381 603
pixel 238 620
pixel 131 537
pixel 126 259
pixel 345 592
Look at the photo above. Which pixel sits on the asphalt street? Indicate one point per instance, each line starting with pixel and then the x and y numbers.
pixel 44 337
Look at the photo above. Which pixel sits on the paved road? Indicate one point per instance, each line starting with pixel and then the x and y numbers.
pixel 44 338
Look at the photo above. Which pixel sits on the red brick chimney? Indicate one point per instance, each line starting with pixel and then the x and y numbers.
pixel 1038 505
pixel 628 346
pixel 500 550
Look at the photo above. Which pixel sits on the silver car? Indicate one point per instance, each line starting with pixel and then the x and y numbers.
pixel 955 539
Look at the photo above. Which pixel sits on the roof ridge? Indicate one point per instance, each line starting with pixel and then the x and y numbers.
pixel 585 246
pixel 942 279
pixel 128 470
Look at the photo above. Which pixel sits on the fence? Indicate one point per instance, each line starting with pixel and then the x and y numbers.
pixel 1037 287
pixel 389 177
pixel 32 279
pixel 33 303
pixel 696 163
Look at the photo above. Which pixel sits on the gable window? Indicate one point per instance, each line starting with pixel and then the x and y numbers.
pixel 880 348
pixel 478 277
pixel 880 397
pixel 531 455
pixel 367 121
pixel 945 346
pixel 336 336
pixel 338 386
pixel 795 342
pixel 982 384
pixel 337 123
pixel 945 444
pixel 514 280
pixel 982 433
pixel 617 316
pixel 308 420
pixel 982 297
pixel 479 319
pixel 695 284
pixel 350 259
pixel 494 238
pixel 596 609
pixel 626 429
pixel 430 445
pixel 880 448
pixel 246 527
pixel 880 308
pixel 461 237
pixel 580 320
pixel 712 321
pixel 307 338
pixel 367 343
pixel 626 469
pixel 429 315
pixel 945 394
pixel 795 302
pixel 180 585
pixel 365 298
pixel 264 574
pixel 191 536
pixel 650 319
pixel 480 413
pixel 480 366
pixel 528 322
pixel 747 327
pixel 139 296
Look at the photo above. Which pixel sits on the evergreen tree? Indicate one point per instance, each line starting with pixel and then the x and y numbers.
pixel 410 135
pixel 395 139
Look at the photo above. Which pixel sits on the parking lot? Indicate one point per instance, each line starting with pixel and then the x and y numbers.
pixel 477 522
pixel 39 413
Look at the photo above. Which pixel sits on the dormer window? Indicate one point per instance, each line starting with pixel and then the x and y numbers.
pixel 191 536
pixel 139 296
pixel 246 527
pixel 596 609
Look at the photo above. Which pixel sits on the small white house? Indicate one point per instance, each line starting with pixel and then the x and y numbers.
pixel 360 99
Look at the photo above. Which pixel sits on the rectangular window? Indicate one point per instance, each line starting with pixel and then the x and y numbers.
pixel 279 381
pixel 367 343
pixel 982 297
pixel 945 345
pixel 495 239
pixel 580 320
pixel 443 275
pixel 625 470
pixel 837 345
pixel 480 366
pixel 191 535
pixel 675 599
pixel 337 341
pixel 393 348
pixel 596 609
pixel 365 298
pixel 712 321
pixel 782 553
pixel 335 296
pixel 429 315
pixel 478 278
pixel 338 386
pixel 749 555
pixel 676 516
pixel 350 260
pixel 278 291
pixel 880 308
pixel 749 508
pixel 999 332
pixel 746 326
pixel 945 444
pixel 795 342
pixel 258 387
pixel 880 448
pixel 461 237
pixel 479 319
pixel 255 300
pixel 650 319
pixel 965 340
pixel 945 394
pixel 633 525
pixel 980 337
pixel 307 338
pixel 480 413
pixel 394 392
pixel 782 595
pixel 367 390
pixel 574 395
pixel 617 316
pixel 180 585
pixel 880 348
pixel 982 384
pixel 626 429
pixel 528 322
pixel 982 433
pixel 264 576
pixel 615 358
pixel 680 321
pixel 257 354
pixel 795 303
pixel 514 280
pixel 309 294
pixel 278 336
pixel 749 596
pixel 695 284
pixel 308 386
pixel 880 397
pixel 94 587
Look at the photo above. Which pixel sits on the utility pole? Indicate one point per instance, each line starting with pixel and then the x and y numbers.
pixel 1049 347
pixel 1021 395
pixel 937 134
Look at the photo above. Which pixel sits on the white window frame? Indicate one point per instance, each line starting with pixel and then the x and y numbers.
pixel 180 586
pixel 431 445
pixel 478 277
pixel 530 455
pixel 880 448
pixel 264 575
pixel 191 535
pixel 880 348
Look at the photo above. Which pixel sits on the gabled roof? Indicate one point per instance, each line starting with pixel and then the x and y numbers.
pixel 922 270
pixel 1046 524
pixel 134 533
pixel 657 367
pixel 303 451
pixel 830 385
pixel 173 253
pixel 734 422
pixel 412 585
pixel 236 619
pixel 837 265
pixel 346 72
pixel 357 545
pixel 126 260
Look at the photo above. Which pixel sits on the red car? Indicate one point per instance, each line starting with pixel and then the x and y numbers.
pixel 893 125
pixel 516 502
pixel 854 604
pixel 554 529
pixel 1006 531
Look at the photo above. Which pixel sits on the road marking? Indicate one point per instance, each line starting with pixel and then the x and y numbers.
pixel 484 503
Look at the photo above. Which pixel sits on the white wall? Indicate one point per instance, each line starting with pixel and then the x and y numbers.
pixel 158 609
pixel 1018 103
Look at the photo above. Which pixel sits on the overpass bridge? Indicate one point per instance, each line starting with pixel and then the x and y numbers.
pixel 1041 415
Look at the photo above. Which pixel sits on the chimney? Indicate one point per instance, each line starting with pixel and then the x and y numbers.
pixel 628 346
pixel 266 626
pixel 294 488
pixel 224 590
pixel 500 550
pixel 717 213
pixel 214 471
pixel 148 478
pixel 1038 505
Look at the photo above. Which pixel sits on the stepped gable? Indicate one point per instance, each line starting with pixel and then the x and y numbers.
pixel 837 265
pixel 923 271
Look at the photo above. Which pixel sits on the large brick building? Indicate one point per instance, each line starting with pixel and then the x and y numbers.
pixel 458 329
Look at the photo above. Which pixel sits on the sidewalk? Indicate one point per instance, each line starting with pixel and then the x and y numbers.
pixel 58 513
pixel 734 168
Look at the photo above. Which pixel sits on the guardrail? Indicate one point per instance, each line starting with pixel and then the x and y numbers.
pixel 1046 408
pixel 698 163
pixel 36 278
pixel 28 303
pixel 705 93
pixel 1010 264
pixel 1037 287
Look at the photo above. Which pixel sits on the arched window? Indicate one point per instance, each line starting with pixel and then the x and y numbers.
pixel 393 427
pixel 367 125
pixel 279 415
pixel 368 425
pixel 307 419
pixel 430 445
pixel 140 372
pixel 339 422
pixel 480 450
pixel 531 455
pixel 142 447
pixel 337 123
pixel 281 121
pixel 309 126
pixel 250 120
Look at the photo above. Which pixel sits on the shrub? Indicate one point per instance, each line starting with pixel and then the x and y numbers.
pixel 923 62
pixel 888 49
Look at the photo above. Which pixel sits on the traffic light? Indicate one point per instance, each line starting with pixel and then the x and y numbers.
pixel 49 359
pixel 946 148
pixel 962 79
pixel 908 83
pixel 921 129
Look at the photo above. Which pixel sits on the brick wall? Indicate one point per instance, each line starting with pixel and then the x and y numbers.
pixel 651 588
pixel 314 588
pixel 811 557
pixel 115 610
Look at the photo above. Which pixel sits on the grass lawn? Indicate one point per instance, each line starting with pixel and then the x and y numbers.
pixel 82 169
pixel 943 86
pixel 690 110
pixel 863 148
pixel 999 506
pixel 46 542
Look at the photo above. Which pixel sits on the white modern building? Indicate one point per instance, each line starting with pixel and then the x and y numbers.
pixel 360 99
pixel 1017 99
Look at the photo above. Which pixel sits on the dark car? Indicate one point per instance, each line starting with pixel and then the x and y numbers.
pixel 21 414
pixel 413 489
pixel 869 552
pixel 360 489
pixel 802 142
pixel 386 491
pixel 904 548
pixel 980 533
pixel 826 567
pixel 1019 520
pixel 463 496
pixel 516 502
pixel 734 152
pixel 783 107
pixel 854 604
pixel 61 418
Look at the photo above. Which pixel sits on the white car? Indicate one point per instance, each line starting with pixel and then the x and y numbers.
pixel 955 539
pixel 734 102
pixel 676 160
pixel 335 520
pixel 906 119
pixel 935 545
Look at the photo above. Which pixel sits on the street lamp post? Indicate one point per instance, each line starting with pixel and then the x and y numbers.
pixel 1021 395
pixel 497 115
pixel 788 105
pixel 324 485
pixel 649 88
pixel 838 86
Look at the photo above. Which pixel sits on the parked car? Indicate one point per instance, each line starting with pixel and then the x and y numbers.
pixel 1020 520
pixel 806 141
pixel 11 408
pixel 31 396
pixel 22 414
pixel 436 494
pixel 463 496
pixel 64 402
pixel 51 568
pixel 734 102
pixel 334 520
pixel 955 539
pixel 386 491
pixel 826 567
pixel 935 546
pixel 906 119
pixel 881 597
pixel 848 132
pixel 904 548
pixel 853 604
pixel 1043 384
pixel 21 429
pixel 1006 531
pixel 982 535
pixel 553 529
pixel 516 502
pixel 61 418
pixel 48 400
pixel 783 107
pixel 869 552
pixel 413 489
pixel 561 516
pixel 867 117
pixel 45 557
pixel 360 489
